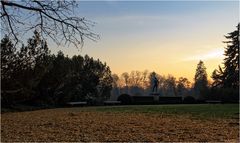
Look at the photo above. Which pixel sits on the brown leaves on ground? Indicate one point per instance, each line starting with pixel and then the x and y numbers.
pixel 65 125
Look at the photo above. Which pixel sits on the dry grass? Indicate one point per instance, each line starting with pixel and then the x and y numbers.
pixel 67 125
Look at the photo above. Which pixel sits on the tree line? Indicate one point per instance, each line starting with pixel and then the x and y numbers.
pixel 225 85
pixel 30 74
pixel 140 83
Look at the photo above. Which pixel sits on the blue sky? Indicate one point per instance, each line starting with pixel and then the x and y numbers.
pixel 104 8
pixel 158 36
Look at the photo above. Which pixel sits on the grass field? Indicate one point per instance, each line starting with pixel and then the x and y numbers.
pixel 196 110
pixel 144 123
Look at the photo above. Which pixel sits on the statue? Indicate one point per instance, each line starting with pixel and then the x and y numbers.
pixel 155 83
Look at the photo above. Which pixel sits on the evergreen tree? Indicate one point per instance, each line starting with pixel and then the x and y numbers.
pixel 217 77
pixel 22 69
pixel 30 75
pixel 231 61
pixel 228 76
pixel 201 82
pixel 8 58
pixel 9 65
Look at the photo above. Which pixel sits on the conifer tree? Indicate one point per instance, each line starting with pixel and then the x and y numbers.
pixel 231 61
pixel 201 82
pixel 228 76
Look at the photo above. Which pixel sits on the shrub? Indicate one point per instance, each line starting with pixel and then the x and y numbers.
pixel 125 99
pixel 226 95
pixel 189 100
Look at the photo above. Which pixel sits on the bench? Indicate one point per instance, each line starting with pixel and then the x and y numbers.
pixel 112 102
pixel 76 103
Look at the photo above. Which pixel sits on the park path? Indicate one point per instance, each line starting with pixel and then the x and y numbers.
pixel 67 125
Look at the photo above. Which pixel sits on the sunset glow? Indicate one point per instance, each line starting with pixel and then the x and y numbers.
pixel 166 37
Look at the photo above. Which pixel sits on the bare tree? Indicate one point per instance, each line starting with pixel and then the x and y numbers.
pixel 125 77
pixel 183 84
pixel 115 80
pixel 54 19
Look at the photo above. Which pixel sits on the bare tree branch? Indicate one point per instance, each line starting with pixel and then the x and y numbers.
pixel 9 21
pixel 54 19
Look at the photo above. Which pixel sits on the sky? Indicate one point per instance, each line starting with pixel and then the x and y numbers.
pixel 168 37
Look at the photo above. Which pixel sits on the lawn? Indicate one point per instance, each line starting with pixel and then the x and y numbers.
pixel 196 110
pixel 143 123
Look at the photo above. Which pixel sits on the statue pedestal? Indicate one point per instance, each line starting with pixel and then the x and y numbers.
pixel 155 96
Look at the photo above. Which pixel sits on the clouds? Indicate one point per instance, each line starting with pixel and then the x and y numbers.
pixel 216 53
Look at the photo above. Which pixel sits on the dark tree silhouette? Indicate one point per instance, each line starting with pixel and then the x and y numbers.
pixel 170 85
pixel 182 85
pixel 201 82
pixel 31 75
pixel 54 19
pixel 217 77
pixel 115 80
pixel 22 69
pixel 125 76
pixel 8 58
pixel 228 76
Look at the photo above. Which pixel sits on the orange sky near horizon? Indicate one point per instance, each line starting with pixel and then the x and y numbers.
pixel 178 59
